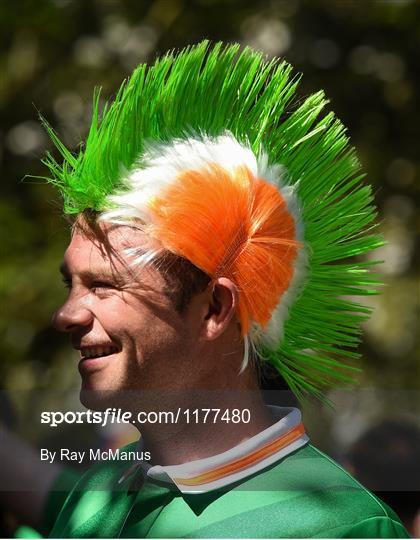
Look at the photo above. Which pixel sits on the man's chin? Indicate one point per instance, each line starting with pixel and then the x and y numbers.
pixel 100 400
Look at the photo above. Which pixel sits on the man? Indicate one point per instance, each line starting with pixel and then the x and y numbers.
pixel 209 217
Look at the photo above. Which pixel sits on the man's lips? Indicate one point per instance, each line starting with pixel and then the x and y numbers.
pixel 97 351
pixel 93 357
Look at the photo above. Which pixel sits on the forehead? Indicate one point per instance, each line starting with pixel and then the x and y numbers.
pixel 109 246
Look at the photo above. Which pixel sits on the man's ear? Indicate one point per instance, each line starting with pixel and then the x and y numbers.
pixel 222 302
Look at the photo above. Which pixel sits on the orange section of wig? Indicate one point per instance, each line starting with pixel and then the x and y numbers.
pixel 234 225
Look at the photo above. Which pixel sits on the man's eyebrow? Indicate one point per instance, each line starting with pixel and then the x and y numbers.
pixel 97 274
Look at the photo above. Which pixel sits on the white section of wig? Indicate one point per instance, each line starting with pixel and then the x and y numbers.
pixel 247 356
pixel 141 258
pixel 161 164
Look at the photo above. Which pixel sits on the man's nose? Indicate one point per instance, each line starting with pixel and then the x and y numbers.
pixel 72 315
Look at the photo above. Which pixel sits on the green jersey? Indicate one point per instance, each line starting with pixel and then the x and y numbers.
pixel 302 494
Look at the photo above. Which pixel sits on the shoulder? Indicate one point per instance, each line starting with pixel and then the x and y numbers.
pixel 307 494
pixel 356 511
pixel 95 494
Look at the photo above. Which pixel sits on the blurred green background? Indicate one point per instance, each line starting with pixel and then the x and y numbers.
pixel 364 54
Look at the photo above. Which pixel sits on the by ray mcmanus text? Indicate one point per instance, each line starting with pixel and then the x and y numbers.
pixel 93 454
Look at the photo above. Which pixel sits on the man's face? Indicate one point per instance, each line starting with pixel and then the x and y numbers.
pixel 127 331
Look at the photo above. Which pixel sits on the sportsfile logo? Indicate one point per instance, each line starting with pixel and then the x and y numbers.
pixel 117 416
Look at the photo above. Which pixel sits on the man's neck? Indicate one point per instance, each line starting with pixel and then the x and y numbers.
pixel 205 426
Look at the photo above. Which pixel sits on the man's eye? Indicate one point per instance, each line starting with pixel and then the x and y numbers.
pixel 67 283
pixel 98 286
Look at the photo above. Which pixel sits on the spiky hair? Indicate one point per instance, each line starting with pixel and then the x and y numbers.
pixel 209 95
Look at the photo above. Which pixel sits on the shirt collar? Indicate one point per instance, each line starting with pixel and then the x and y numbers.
pixel 283 437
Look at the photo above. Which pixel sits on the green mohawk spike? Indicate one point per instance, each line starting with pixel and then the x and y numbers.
pixel 215 90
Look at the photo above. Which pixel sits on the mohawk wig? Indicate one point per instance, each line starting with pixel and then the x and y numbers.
pixel 206 152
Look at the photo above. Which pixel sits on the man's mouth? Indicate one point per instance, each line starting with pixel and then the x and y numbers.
pixel 98 351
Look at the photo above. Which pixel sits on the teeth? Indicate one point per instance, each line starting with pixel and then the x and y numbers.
pixel 93 352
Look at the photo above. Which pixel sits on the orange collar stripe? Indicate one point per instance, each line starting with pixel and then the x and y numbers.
pixel 251 459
